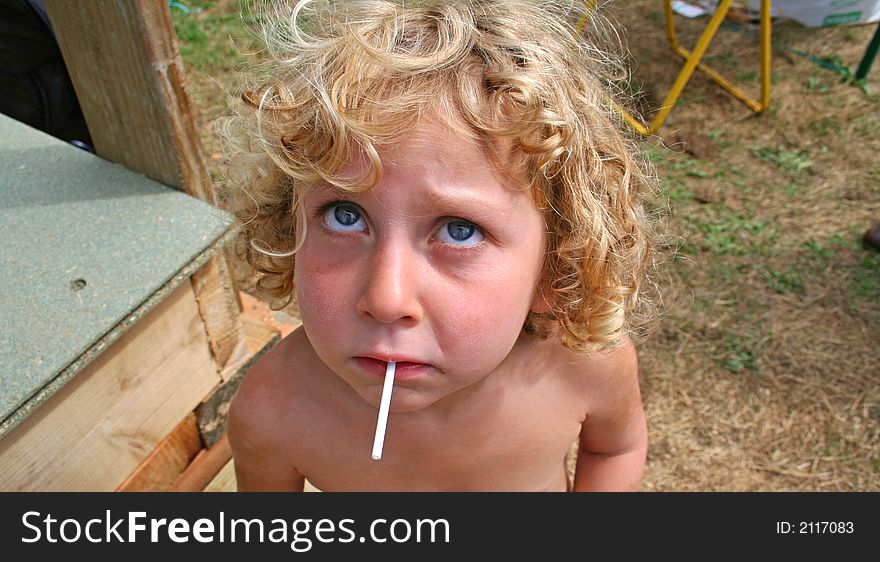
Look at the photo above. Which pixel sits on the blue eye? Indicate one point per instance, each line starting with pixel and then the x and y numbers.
pixel 460 233
pixel 344 217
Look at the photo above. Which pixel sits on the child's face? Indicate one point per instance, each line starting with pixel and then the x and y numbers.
pixel 436 268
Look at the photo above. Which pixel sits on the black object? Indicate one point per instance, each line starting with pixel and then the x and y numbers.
pixel 35 87
pixel 870 54
pixel 872 237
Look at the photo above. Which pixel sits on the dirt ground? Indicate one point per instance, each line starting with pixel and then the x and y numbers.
pixel 763 371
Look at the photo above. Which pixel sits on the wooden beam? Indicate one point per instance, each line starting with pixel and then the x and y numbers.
pixel 168 460
pixel 212 412
pixel 224 481
pixel 204 468
pixel 125 66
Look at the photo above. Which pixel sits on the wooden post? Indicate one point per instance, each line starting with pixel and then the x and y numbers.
pixel 125 66
pixel 124 63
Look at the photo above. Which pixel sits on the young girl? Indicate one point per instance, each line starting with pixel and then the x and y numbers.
pixel 443 189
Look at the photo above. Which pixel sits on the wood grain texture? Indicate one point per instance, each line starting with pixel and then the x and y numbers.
pixel 204 468
pixel 125 66
pixel 212 412
pixel 93 433
pixel 224 481
pixel 220 310
pixel 167 461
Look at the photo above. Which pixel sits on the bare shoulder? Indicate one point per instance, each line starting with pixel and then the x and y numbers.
pixel 266 401
pixel 267 390
pixel 602 375
pixel 614 416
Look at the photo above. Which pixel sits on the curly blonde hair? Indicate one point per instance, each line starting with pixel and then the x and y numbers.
pixel 357 75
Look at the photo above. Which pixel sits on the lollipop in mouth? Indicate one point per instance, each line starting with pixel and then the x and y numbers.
pixel 384 404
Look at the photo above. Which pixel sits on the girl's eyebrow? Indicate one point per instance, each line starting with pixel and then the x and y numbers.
pixel 323 189
pixel 464 203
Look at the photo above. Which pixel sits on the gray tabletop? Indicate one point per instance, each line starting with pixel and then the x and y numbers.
pixel 85 244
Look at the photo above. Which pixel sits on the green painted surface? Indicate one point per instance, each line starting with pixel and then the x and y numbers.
pixel 85 246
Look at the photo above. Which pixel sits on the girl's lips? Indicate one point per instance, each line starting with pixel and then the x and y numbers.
pixel 404 369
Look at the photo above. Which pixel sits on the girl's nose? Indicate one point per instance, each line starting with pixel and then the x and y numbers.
pixel 391 289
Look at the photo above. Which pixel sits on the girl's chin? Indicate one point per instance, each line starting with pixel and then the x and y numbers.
pixel 403 400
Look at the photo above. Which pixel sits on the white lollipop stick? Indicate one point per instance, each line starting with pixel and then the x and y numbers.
pixel 384 404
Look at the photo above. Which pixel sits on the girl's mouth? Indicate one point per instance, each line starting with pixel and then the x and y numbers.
pixel 405 369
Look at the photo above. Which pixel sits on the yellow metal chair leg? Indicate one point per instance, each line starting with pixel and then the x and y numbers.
pixel 692 62
pixel 694 58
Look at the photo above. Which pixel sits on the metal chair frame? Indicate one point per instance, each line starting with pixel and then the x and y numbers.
pixel 692 63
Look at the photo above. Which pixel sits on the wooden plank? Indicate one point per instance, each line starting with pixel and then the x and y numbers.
pixel 168 461
pixel 100 426
pixel 211 413
pixel 224 481
pixel 204 468
pixel 125 66
pixel 220 310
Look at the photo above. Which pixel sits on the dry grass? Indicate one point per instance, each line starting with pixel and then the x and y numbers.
pixel 764 371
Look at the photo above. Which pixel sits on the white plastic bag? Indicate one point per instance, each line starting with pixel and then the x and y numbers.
pixel 815 13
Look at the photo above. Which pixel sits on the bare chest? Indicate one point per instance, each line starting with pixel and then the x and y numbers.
pixel 513 441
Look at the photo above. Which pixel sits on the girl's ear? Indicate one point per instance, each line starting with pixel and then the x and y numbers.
pixel 540 302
